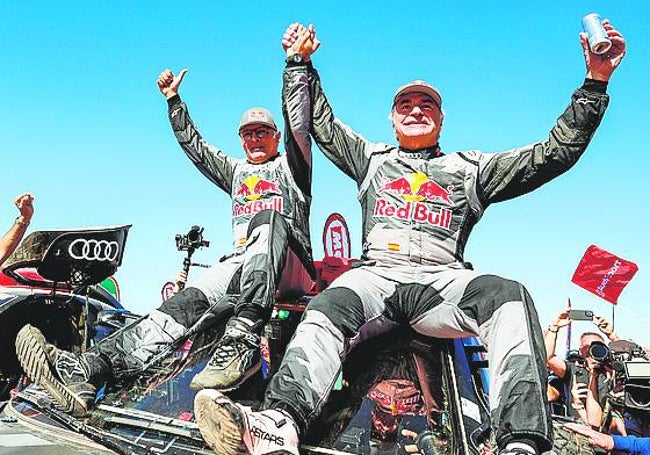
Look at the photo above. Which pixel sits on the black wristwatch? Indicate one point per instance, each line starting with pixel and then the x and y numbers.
pixel 295 59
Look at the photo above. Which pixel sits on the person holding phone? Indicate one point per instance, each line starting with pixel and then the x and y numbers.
pixel 584 378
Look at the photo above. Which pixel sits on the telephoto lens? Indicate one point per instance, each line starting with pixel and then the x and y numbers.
pixel 598 351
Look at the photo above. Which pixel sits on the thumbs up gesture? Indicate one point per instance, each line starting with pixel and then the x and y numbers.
pixel 168 82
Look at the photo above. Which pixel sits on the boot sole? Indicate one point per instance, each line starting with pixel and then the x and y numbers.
pixel 249 373
pixel 221 422
pixel 30 349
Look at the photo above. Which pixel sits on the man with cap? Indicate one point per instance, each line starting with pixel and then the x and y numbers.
pixel 419 206
pixel 271 197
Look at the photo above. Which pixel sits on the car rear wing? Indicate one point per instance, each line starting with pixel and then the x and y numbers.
pixel 75 256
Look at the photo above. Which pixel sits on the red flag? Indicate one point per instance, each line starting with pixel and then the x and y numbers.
pixel 603 274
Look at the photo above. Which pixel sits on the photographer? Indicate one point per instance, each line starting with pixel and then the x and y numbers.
pixel 630 396
pixel 585 377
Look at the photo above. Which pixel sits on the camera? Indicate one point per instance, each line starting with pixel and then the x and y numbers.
pixel 631 373
pixel 599 351
pixel 192 240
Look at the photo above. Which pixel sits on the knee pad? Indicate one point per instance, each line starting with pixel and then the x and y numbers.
pixel 484 295
pixel 343 307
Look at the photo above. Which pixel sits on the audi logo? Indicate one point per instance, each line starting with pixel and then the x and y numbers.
pixel 94 250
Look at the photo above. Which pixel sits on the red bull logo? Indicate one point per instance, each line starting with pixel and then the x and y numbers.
pixel 254 187
pixel 415 189
pixel 252 190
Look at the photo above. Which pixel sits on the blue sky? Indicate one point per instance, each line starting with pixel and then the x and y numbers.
pixel 85 129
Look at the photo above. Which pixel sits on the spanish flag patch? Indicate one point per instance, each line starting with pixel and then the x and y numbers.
pixel 394 247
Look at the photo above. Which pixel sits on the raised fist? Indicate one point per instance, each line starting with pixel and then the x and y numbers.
pixel 25 204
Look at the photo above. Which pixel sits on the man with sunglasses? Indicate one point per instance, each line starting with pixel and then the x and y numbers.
pixel 419 206
pixel 271 197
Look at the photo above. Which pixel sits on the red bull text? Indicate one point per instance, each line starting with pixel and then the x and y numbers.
pixel 253 207
pixel 252 191
pixel 416 189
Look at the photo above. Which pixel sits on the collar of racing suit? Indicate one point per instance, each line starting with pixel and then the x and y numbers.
pixel 425 153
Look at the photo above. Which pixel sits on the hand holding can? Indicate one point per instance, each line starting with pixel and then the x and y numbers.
pixel 599 42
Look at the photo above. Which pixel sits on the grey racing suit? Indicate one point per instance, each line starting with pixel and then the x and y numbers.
pixel 418 210
pixel 270 220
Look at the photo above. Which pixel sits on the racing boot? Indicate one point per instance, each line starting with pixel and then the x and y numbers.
pixel 236 358
pixel 70 379
pixel 231 429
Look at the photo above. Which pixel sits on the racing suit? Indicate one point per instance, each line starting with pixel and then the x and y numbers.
pixel 270 220
pixel 418 210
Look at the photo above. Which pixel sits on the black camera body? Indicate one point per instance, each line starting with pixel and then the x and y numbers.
pixel 192 240
pixel 631 369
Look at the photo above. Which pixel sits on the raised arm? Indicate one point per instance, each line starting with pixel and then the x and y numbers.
pixel 296 108
pixel 14 235
pixel 510 174
pixel 348 150
pixel 554 363
pixel 212 162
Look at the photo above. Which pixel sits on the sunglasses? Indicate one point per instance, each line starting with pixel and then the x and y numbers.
pixel 260 133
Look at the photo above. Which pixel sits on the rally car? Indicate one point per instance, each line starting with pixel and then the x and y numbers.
pixel 436 388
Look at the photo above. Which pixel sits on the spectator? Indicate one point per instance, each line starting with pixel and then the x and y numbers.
pixel 631 444
pixel 591 396
pixel 14 235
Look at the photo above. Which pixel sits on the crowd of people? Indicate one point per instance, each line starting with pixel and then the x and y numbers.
pixel 412 270
pixel 587 387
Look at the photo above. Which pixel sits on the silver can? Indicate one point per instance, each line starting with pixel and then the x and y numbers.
pixel 599 43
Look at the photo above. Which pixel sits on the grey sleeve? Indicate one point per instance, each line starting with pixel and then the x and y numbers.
pixel 212 162
pixel 510 174
pixel 296 110
pixel 348 150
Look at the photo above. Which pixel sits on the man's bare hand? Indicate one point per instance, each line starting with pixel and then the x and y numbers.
pixel 601 67
pixel 578 394
pixel 561 320
pixel 597 439
pixel 606 327
pixel 168 83
pixel 181 280
pixel 25 205
pixel 298 39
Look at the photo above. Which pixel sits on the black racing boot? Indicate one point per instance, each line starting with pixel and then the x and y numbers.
pixel 236 358
pixel 70 379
